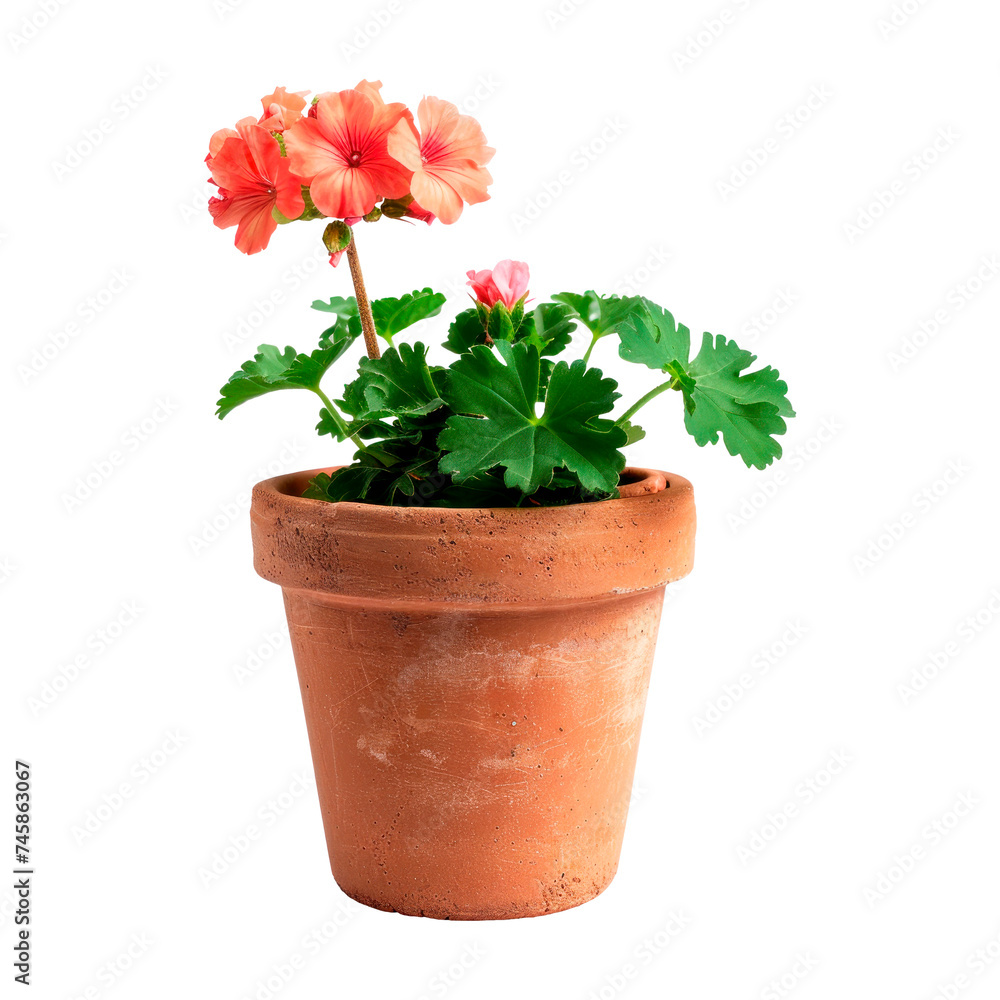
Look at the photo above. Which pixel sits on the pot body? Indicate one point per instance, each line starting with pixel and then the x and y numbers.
pixel 474 683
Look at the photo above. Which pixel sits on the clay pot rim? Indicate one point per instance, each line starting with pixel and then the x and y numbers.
pixel 633 482
pixel 472 556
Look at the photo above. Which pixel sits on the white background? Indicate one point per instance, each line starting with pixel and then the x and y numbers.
pixel 899 456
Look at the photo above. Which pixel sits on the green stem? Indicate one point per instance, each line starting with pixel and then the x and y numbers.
pixel 594 338
pixel 652 394
pixel 338 419
pixel 428 381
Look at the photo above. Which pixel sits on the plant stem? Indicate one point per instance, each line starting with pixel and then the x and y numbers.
pixel 594 338
pixel 364 307
pixel 652 394
pixel 338 419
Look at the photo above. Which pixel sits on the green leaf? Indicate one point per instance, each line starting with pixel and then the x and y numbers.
pixel 652 337
pixel 352 483
pixel 366 428
pixel 307 370
pixel 633 432
pixel 347 326
pixel 269 363
pixel 262 375
pixel 317 488
pixel 496 425
pixel 272 369
pixel 398 383
pixel 343 333
pixel 585 307
pixel 345 308
pixel 394 315
pixel 746 409
pixel 601 314
pixel 393 481
pixel 549 327
pixel 486 490
pixel 466 329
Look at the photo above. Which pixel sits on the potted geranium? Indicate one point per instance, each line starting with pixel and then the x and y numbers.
pixel 474 596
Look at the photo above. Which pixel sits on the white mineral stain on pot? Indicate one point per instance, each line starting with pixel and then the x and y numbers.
pixel 378 754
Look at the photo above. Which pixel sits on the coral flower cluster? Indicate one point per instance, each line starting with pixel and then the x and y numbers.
pixel 345 155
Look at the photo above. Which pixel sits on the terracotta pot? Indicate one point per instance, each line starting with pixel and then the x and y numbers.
pixel 474 682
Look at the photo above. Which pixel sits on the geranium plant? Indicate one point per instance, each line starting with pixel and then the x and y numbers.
pixel 508 422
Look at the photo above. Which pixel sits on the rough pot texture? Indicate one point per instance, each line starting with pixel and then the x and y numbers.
pixel 474 682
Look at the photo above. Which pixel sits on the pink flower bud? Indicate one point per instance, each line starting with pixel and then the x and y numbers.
pixel 506 283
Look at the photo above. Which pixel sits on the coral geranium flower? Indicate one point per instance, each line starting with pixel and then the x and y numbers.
pixel 282 109
pixel 447 157
pixel 218 138
pixel 342 154
pixel 253 179
pixel 372 90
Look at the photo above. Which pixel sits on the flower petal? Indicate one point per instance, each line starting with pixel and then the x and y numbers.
pixel 437 196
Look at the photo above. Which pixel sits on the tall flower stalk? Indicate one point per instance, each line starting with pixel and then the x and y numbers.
pixel 361 295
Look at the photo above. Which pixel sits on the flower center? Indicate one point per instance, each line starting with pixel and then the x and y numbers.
pixel 355 159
